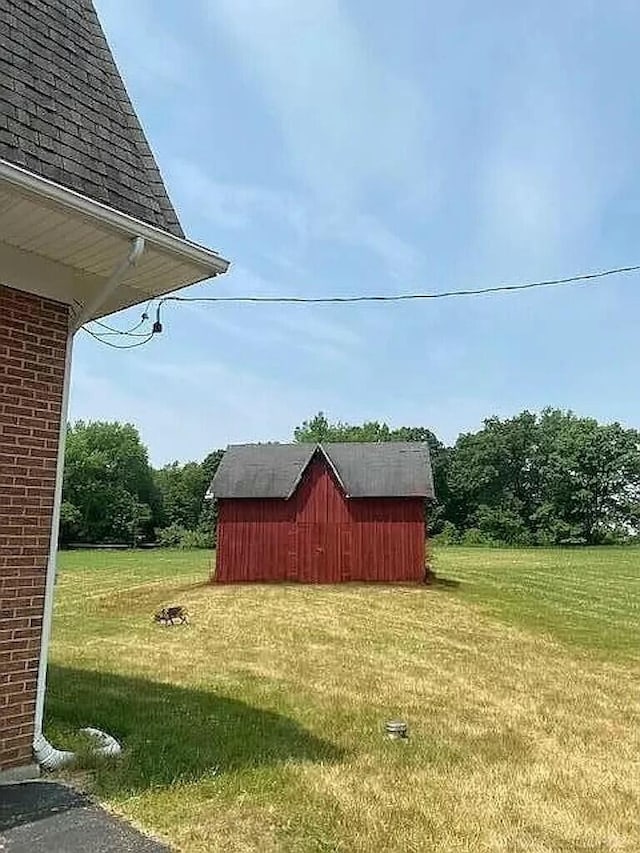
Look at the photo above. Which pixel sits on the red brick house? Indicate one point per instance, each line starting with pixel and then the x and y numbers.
pixel 323 513
pixel 86 228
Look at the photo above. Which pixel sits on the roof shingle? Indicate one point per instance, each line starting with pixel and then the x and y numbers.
pixel 365 470
pixel 65 114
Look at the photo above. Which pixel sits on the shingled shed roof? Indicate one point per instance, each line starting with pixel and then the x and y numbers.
pixel 65 114
pixel 364 470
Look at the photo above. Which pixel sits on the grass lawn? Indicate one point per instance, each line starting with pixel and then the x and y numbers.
pixel 259 726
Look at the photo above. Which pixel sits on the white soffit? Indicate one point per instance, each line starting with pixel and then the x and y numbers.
pixel 61 245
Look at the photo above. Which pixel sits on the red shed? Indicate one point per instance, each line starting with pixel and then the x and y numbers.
pixel 322 513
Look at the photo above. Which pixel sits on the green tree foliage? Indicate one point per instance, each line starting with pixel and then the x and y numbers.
pixel 554 478
pixel 108 488
pixel 112 495
pixel 182 489
pixel 209 511
pixel 319 429
pixel 70 522
pixel 590 474
pixel 493 478
pixel 187 518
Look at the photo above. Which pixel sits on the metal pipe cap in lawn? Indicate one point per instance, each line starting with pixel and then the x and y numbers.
pixel 396 729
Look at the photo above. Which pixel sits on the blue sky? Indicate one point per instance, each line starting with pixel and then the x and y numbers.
pixel 331 147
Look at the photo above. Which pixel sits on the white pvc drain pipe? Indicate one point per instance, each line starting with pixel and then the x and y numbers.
pixel 50 758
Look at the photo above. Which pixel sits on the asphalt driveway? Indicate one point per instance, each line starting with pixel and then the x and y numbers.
pixel 41 817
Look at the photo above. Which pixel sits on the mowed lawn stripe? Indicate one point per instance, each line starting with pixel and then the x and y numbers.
pixel 584 596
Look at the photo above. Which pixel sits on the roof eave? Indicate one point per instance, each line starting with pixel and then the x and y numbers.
pixel 210 260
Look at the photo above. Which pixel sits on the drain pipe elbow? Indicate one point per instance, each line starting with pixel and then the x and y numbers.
pixel 50 758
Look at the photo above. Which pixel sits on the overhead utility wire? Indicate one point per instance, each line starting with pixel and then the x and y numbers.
pixel 444 294
pixel 117 333
pixel 111 330
pixel 312 300
pixel 139 343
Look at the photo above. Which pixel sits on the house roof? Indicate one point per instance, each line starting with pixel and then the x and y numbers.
pixel 84 215
pixel 364 470
pixel 66 115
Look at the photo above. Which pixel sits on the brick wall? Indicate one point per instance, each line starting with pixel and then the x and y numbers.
pixel 33 336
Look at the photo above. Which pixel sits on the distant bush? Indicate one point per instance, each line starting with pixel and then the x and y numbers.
pixel 200 538
pixel 170 537
pixel 176 536
pixel 475 536
pixel 501 524
pixel 449 535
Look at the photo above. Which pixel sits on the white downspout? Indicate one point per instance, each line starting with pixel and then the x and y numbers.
pixel 45 754
pixel 111 284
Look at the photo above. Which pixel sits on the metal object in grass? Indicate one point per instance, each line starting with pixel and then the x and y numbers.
pixel 171 615
pixel 396 730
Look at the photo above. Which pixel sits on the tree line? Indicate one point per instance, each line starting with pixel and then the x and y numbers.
pixel 533 479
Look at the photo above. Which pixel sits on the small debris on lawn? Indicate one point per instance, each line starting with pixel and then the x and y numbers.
pixel 171 615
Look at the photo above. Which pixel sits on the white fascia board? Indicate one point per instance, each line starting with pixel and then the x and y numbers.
pixel 121 222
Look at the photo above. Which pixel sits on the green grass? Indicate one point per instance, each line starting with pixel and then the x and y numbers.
pixel 588 597
pixel 259 726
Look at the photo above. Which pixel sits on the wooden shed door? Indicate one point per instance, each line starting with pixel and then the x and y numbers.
pixel 318 553
pixel 323 552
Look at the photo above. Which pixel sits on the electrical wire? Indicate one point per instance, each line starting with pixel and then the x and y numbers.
pixel 118 346
pixel 118 333
pixel 111 330
pixel 444 294
pixel 324 300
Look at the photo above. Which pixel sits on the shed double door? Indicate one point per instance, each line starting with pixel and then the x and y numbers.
pixel 322 552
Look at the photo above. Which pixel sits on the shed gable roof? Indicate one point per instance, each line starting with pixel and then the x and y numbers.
pixel 384 469
pixel 66 115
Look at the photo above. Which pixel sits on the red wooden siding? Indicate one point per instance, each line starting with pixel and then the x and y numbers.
pixel 255 540
pixel 320 536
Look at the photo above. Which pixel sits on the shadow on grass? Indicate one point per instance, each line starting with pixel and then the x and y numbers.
pixel 443 583
pixel 173 734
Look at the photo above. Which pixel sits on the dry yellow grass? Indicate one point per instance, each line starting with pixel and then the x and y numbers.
pixel 266 715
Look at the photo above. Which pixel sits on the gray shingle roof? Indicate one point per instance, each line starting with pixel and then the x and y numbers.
pixel 385 469
pixel 65 114
pixel 261 470
pixel 365 470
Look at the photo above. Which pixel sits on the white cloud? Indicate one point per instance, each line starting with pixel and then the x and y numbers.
pixel 99 393
pixel 186 410
pixel 306 328
pixel 221 403
pixel 403 261
pixel 548 172
pixel 308 222
pixel 350 125
pixel 236 205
